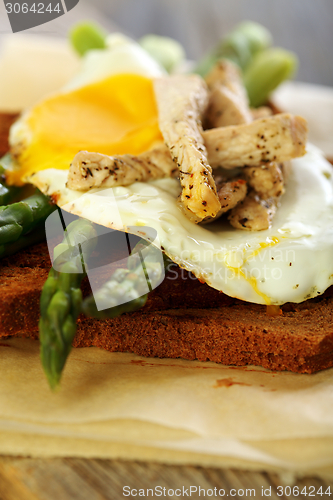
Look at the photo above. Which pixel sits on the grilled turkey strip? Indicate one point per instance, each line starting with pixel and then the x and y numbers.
pixel 123 170
pixel 253 214
pixel 267 180
pixel 90 170
pixel 230 193
pixel 228 102
pixel 261 112
pixel 97 170
pixel 277 138
pixel 181 101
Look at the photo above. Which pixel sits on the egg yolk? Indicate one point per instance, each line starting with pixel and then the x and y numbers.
pixel 117 115
pixel 270 242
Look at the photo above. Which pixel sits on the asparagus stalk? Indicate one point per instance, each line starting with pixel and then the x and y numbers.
pixel 18 219
pixel 126 291
pixel 61 297
pixel 85 36
pixel 21 223
pixel 7 193
pixel 35 236
pixel 240 46
pixel 166 51
pixel 267 70
pixel 110 293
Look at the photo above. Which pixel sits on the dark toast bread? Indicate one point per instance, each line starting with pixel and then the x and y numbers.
pixel 182 318
pixel 6 120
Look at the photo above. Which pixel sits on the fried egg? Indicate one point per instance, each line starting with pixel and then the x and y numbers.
pixel 108 107
pixel 113 112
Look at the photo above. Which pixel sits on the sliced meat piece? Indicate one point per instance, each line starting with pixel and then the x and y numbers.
pixel 261 112
pixel 181 100
pixel 89 170
pixel 286 168
pixel 230 193
pixel 277 138
pixel 225 108
pixel 253 214
pixel 267 180
pixel 226 73
pixel 228 101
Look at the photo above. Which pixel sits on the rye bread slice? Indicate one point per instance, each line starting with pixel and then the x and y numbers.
pixel 6 120
pixel 182 318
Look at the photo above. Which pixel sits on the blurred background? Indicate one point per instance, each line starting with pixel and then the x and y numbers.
pixel 303 26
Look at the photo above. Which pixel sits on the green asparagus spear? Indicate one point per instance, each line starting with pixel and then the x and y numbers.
pixel 7 193
pixel 4 163
pixel 126 291
pixel 240 46
pixel 110 291
pixel 20 218
pixel 35 236
pixel 267 70
pixel 61 297
pixel 86 36
pixel 21 223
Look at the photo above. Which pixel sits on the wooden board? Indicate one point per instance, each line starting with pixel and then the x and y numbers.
pixel 81 479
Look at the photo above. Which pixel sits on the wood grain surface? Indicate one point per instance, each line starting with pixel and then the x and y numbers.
pixel 80 479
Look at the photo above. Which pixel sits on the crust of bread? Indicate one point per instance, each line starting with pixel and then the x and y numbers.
pixel 6 120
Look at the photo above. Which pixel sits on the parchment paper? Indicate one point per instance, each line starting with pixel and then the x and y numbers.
pixel 171 410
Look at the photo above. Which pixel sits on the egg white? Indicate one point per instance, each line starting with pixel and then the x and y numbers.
pixel 122 55
pixel 290 262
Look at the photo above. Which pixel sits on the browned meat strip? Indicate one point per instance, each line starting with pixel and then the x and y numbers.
pixel 253 214
pixel 277 138
pixel 231 105
pixel 262 112
pixel 286 168
pixel 181 101
pixel 226 73
pixel 89 170
pixel 225 108
pixel 230 193
pixel 266 180
pixel 228 101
